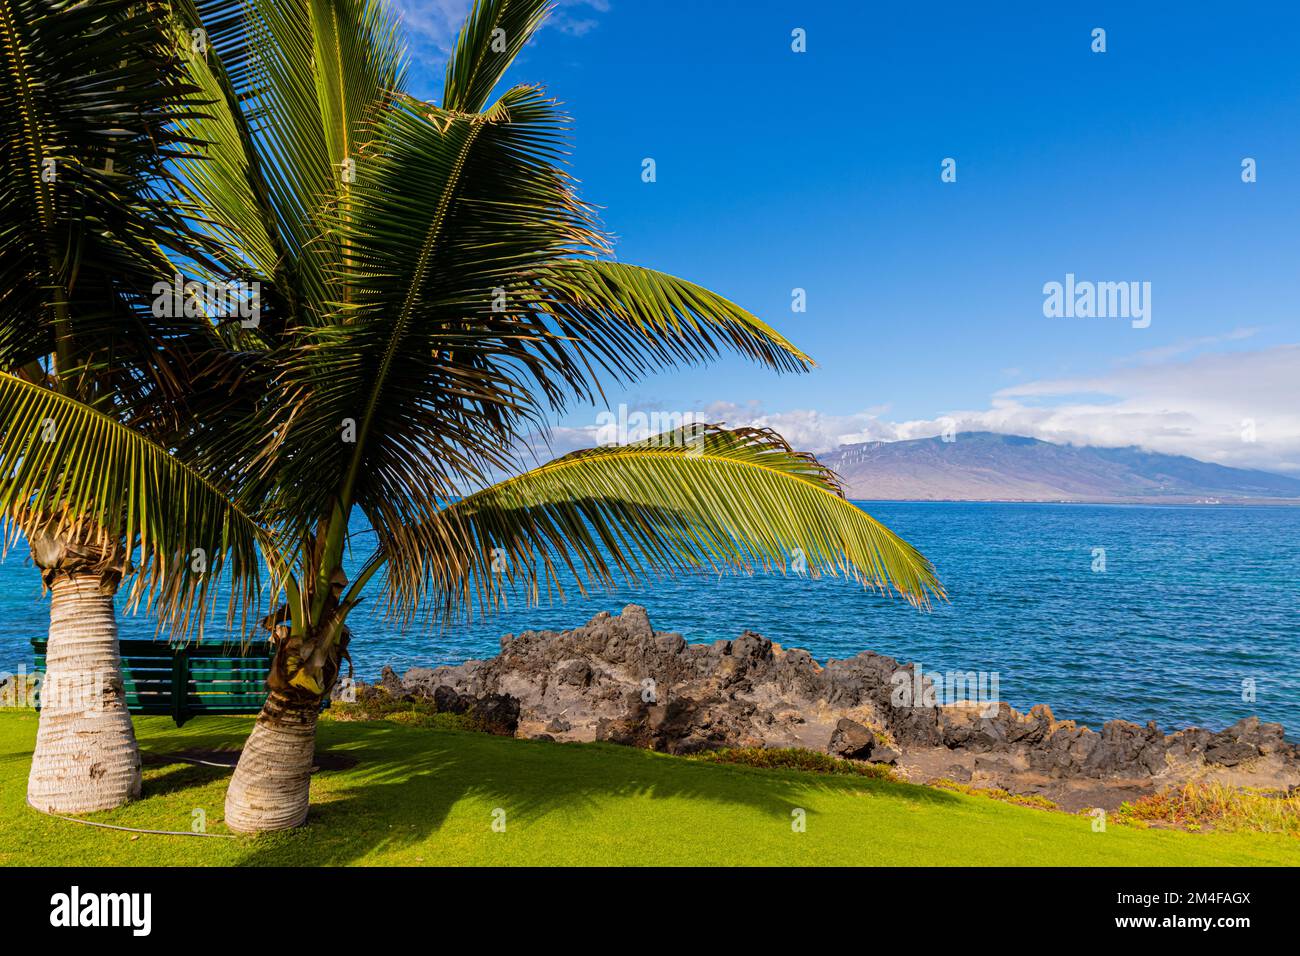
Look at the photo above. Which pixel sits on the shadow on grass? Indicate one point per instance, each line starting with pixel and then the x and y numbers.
pixel 407 782
pixel 178 777
pixel 416 789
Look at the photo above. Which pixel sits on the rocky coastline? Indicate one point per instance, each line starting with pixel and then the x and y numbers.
pixel 617 679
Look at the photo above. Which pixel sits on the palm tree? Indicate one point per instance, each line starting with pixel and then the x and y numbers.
pixel 439 291
pixel 89 98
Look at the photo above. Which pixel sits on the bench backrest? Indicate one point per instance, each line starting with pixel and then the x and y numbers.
pixel 192 679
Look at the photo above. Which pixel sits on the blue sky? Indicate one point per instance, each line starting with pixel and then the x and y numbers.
pixel 820 170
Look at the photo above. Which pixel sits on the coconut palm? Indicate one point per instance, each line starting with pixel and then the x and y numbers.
pixel 89 98
pixel 438 291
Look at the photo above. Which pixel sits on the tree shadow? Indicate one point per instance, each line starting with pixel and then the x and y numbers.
pixel 400 798
pixel 179 776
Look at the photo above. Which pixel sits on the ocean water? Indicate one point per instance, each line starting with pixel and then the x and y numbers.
pixel 1194 602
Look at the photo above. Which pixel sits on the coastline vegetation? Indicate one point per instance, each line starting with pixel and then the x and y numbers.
pixel 795 758
pixel 997 793
pixel 1200 805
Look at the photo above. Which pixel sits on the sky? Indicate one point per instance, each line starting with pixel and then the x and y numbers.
pixel 823 171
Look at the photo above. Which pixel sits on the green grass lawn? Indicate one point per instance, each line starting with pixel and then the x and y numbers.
pixel 421 796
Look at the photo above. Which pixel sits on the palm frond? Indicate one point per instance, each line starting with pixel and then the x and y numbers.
pixel 62 464
pixel 221 182
pixel 92 101
pixel 492 36
pixel 438 378
pixel 360 62
pixel 631 319
pixel 311 77
pixel 700 496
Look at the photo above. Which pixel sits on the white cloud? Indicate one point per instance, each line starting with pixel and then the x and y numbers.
pixel 577 28
pixel 1205 407
pixel 808 429
pixel 433 25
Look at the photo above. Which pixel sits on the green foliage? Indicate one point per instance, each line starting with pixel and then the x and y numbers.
pixel 996 793
pixel 409 713
pixel 795 758
pixel 133 490
pixel 452 295
pixel 494 33
pixel 91 98
pixel 96 386
pixel 700 497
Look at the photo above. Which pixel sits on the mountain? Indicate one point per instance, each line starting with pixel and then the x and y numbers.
pixel 984 466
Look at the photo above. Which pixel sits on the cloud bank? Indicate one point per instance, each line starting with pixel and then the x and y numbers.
pixel 1240 409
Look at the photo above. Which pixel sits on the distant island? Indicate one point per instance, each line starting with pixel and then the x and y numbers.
pixel 986 466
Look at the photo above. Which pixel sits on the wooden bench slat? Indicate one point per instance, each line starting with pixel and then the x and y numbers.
pixel 189 680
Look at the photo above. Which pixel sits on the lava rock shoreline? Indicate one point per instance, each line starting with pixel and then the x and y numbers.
pixel 617 679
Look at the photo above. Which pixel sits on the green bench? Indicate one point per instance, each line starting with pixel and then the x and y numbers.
pixel 189 680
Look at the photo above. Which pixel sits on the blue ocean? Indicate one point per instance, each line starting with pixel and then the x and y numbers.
pixel 1186 615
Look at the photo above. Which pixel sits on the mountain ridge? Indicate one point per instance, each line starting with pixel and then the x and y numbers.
pixel 991 466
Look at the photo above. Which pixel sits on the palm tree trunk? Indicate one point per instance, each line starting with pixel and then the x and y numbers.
pixel 269 790
pixel 86 756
